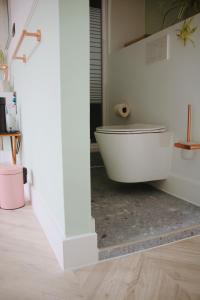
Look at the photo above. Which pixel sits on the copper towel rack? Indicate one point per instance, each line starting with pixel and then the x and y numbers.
pixel 188 145
pixel 24 34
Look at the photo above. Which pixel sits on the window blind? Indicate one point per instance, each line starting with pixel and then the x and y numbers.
pixel 95 55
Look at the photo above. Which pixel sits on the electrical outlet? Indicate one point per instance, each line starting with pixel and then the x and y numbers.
pixel 30 177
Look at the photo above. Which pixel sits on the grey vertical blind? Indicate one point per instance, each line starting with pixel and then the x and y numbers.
pixel 95 55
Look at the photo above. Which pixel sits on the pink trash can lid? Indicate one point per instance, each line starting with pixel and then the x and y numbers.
pixel 6 169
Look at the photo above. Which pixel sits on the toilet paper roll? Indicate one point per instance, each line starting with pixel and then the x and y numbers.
pixel 122 110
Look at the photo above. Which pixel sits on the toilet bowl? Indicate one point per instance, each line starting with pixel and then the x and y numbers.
pixel 135 152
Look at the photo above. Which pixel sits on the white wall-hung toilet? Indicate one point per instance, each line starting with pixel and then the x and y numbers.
pixel 135 152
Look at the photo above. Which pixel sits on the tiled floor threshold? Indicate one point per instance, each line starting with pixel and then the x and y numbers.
pixel 133 217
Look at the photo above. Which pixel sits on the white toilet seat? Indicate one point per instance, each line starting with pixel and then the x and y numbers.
pixel 135 152
pixel 136 128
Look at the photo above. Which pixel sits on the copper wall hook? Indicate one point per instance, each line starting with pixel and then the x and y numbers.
pixel 188 145
pixel 189 123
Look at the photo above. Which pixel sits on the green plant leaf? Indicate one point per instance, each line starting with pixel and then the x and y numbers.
pixel 2 57
pixel 185 9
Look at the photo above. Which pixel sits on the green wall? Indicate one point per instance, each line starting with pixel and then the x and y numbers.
pixel 75 100
pixel 53 94
pixel 37 84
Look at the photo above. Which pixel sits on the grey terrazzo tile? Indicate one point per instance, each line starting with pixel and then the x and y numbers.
pixel 123 249
pixel 95 159
pixel 138 215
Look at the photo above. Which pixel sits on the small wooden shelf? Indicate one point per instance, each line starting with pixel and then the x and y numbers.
pixel 187 146
pixel 18 134
pixel 144 36
pixel 15 139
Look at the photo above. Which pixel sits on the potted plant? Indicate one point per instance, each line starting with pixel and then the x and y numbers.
pixel 2 58
pixel 184 9
pixel 3 65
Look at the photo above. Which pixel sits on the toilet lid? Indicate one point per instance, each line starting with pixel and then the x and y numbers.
pixel 131 128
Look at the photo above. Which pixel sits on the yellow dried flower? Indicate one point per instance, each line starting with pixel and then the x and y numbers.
pixel 186 31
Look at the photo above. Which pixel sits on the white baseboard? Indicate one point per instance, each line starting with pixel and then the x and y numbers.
pixel 71 252
pixel 50 228
pixel 80 251
pixel 184 188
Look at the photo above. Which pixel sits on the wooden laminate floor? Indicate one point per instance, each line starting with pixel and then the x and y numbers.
pixel 29 270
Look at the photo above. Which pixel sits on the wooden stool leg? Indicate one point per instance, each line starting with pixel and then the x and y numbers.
pixel 1 143
pixel 11 144
pixel 14 149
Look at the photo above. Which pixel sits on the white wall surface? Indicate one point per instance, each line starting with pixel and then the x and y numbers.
pixel 3 24
pixel 37 84
pixel 159 93
pixel 20 10
pixel 126 22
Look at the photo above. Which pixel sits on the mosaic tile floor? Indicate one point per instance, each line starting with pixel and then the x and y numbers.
pixel 132 217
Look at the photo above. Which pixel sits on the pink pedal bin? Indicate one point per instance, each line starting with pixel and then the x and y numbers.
pixel 11 186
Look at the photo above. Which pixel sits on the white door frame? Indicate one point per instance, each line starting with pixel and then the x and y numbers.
pixel 105 39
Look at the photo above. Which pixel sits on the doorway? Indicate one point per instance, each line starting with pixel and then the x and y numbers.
pixel 96 67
